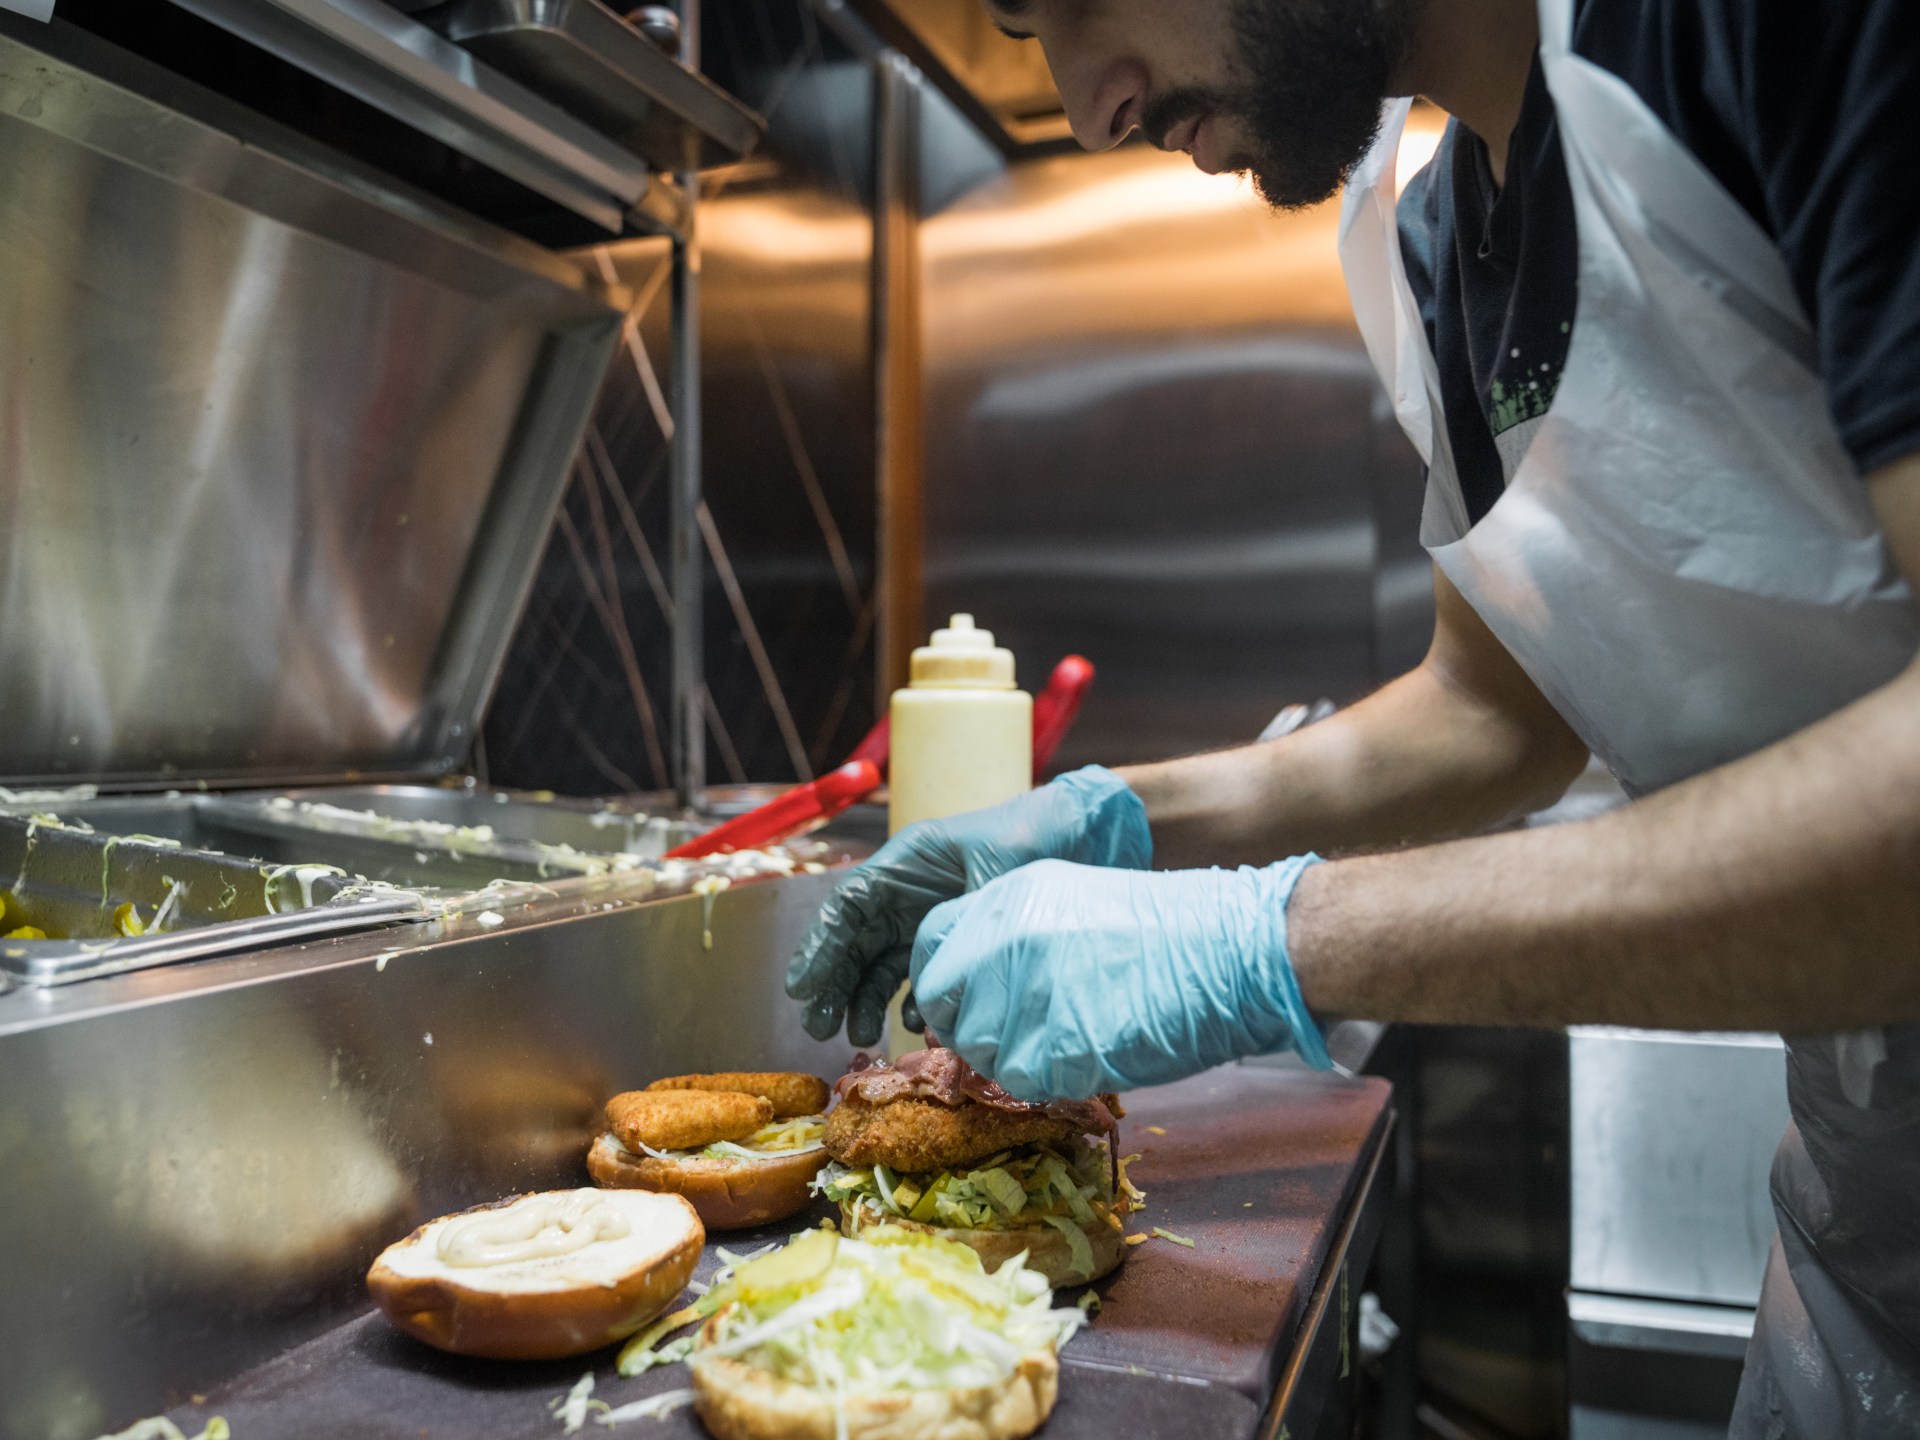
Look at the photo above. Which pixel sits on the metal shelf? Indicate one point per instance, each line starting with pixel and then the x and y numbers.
pixel 590 62
pixel 390 61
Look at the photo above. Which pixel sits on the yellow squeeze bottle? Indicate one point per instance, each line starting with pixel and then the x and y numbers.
pixel 962 730
pixel 962 740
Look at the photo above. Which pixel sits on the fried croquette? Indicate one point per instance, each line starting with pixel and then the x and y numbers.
pixel 916 1135
pixel 791 1093
pixel 684 1119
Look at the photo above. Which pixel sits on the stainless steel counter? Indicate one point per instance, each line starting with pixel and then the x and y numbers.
pixel 197 1162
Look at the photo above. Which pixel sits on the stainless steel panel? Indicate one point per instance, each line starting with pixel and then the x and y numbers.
pixel 1673 1138
pixel 197 1164
pixel 281 446
pixel 407 71
pixel 1153 438
pixel 1672 1327
pixel 585 58
pixel 1589 1423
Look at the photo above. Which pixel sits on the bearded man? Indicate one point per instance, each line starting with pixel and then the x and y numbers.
pixel 1652 318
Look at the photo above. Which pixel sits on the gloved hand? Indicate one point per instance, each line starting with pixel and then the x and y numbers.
pixel 856 954
pixel 1061 981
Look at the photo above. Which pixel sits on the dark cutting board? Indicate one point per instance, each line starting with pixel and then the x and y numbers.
pixel 1257 1167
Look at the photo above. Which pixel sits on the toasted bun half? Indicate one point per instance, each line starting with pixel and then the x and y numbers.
pixel 1047 1250
pixel 548 1307
pixel 735 1401
pixel 732 1194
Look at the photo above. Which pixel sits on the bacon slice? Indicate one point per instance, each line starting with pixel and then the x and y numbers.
pixel 941 1075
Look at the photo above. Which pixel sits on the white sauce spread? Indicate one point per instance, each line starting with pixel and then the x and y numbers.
pixel 536 1228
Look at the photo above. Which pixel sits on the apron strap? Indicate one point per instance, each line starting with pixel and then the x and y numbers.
pixel 1556 28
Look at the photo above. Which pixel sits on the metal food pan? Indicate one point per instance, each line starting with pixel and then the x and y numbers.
pixel 85 890
pixel 600 826
pixel 239 828
pixel 419 836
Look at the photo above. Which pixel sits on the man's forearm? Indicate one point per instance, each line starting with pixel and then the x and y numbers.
pixel 1460 745
pixel 1778 893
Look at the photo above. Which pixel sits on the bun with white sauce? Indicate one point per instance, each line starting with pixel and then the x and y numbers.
pixel 542 1276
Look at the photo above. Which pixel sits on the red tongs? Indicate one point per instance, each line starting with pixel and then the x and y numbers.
pixel 807 807
pixel 803 808
pixel 1056 707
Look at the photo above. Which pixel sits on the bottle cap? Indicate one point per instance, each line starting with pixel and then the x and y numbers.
pixel 961 656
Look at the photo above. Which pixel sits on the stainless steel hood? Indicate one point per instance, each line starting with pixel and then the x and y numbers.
pixel 280 443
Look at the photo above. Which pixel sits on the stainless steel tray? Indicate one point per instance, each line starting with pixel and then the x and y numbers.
pixel 257 870
pixel 411 835
pixel 590 62
pixel 71 881
pixel 613 826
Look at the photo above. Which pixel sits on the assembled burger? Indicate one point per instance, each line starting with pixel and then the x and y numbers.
pixel 930 1144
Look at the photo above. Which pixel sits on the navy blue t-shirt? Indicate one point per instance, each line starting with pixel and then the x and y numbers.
pixel 1806 111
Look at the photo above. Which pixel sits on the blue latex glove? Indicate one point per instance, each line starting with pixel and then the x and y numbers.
pixel 1061 981
pixel 856 954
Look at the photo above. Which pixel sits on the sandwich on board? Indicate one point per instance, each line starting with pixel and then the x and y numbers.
pixel 930 1144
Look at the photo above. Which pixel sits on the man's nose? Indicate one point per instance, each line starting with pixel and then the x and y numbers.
pixel 1104 106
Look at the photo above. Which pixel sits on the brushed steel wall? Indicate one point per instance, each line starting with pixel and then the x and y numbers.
pixel 1153 437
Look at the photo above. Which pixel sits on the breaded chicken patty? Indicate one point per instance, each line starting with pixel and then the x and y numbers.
pixel 684 1119
pixel 916 1135
pixel 791 1092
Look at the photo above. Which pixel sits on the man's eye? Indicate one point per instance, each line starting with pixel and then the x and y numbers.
pixel 1015 8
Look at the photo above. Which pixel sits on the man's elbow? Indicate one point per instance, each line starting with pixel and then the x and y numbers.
pixel 1548 764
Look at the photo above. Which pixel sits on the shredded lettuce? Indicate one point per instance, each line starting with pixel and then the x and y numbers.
pixel 639 1354
pixel 1034 1185
pixel 161 1428
pixel 1078 1247
pixel 894 1310
pixel 654 1407
pixel 769 1142
pixel 571 1408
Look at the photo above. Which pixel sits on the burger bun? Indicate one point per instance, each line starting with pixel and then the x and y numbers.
pixel 736 1401
pixel 550 1306
pixel 728 1194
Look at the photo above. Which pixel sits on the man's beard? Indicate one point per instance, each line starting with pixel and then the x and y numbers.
pixel 1313 77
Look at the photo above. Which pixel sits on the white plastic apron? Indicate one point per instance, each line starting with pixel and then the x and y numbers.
pixel 1687 565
